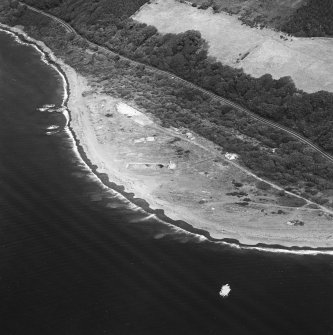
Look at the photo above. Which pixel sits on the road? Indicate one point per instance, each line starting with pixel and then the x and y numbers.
pixel 170 132
pixel 254 116
pixel 70 29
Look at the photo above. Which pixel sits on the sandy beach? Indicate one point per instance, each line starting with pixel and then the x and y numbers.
pixel 184 175
pixel 106 147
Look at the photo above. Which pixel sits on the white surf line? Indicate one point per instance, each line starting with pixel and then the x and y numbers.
pixel 118 195
pixel 16 33
pixel 33 43
pixel 52 127
pixel 146 218
pixel 300 252
pixel 65 113
pixel 44 54
pixel 202 238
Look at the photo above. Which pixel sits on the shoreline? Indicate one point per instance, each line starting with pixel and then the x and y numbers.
pixel 72 90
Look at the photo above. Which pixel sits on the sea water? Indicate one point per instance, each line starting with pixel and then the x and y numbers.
pixel 77 258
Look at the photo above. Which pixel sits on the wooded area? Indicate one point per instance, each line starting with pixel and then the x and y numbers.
pixel 313 19
pixel 268 152
pixel 186 55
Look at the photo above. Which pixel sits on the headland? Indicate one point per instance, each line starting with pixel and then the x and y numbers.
pixel 185 175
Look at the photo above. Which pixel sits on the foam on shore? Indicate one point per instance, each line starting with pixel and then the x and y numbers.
pixel 18 34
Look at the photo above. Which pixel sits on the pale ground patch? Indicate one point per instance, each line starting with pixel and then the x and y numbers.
pixel 131 112
pixel 127 110
pixel 308 61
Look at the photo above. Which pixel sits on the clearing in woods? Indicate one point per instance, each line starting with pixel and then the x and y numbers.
pixel 258 51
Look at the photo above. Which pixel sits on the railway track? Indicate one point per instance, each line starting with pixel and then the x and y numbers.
pixel 254 116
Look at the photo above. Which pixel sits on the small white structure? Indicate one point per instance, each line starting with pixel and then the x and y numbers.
pixel 172 165
pixel 225 290
pixel 140 140
pixel 190 136
pixel 230 156
pixel 144 139
pixel 295 223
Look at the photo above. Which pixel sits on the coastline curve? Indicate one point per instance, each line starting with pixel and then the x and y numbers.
pixel 129 198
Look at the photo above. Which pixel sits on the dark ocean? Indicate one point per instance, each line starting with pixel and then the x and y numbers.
pixel 76 258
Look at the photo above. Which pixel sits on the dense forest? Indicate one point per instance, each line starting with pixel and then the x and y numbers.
pixel 315 18
pixel 186 55
pixel 270 153
pixel 118 8
pixel 305 18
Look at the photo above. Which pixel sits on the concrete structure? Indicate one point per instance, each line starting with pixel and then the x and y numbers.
pixel 230 156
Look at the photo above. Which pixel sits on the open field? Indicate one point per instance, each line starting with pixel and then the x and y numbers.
pixel 257 51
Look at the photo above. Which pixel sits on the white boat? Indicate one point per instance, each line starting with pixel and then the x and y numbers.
pixel 225 290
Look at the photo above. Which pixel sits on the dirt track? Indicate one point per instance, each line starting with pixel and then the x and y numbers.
pixel 214 96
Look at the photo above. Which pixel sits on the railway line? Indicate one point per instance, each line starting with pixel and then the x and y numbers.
pixel 254 116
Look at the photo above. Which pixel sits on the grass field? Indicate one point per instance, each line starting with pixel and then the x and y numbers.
pixel 257 51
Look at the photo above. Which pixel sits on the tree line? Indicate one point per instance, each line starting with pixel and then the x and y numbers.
pixel 312 19
pixel 268 152
pixel 107 23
